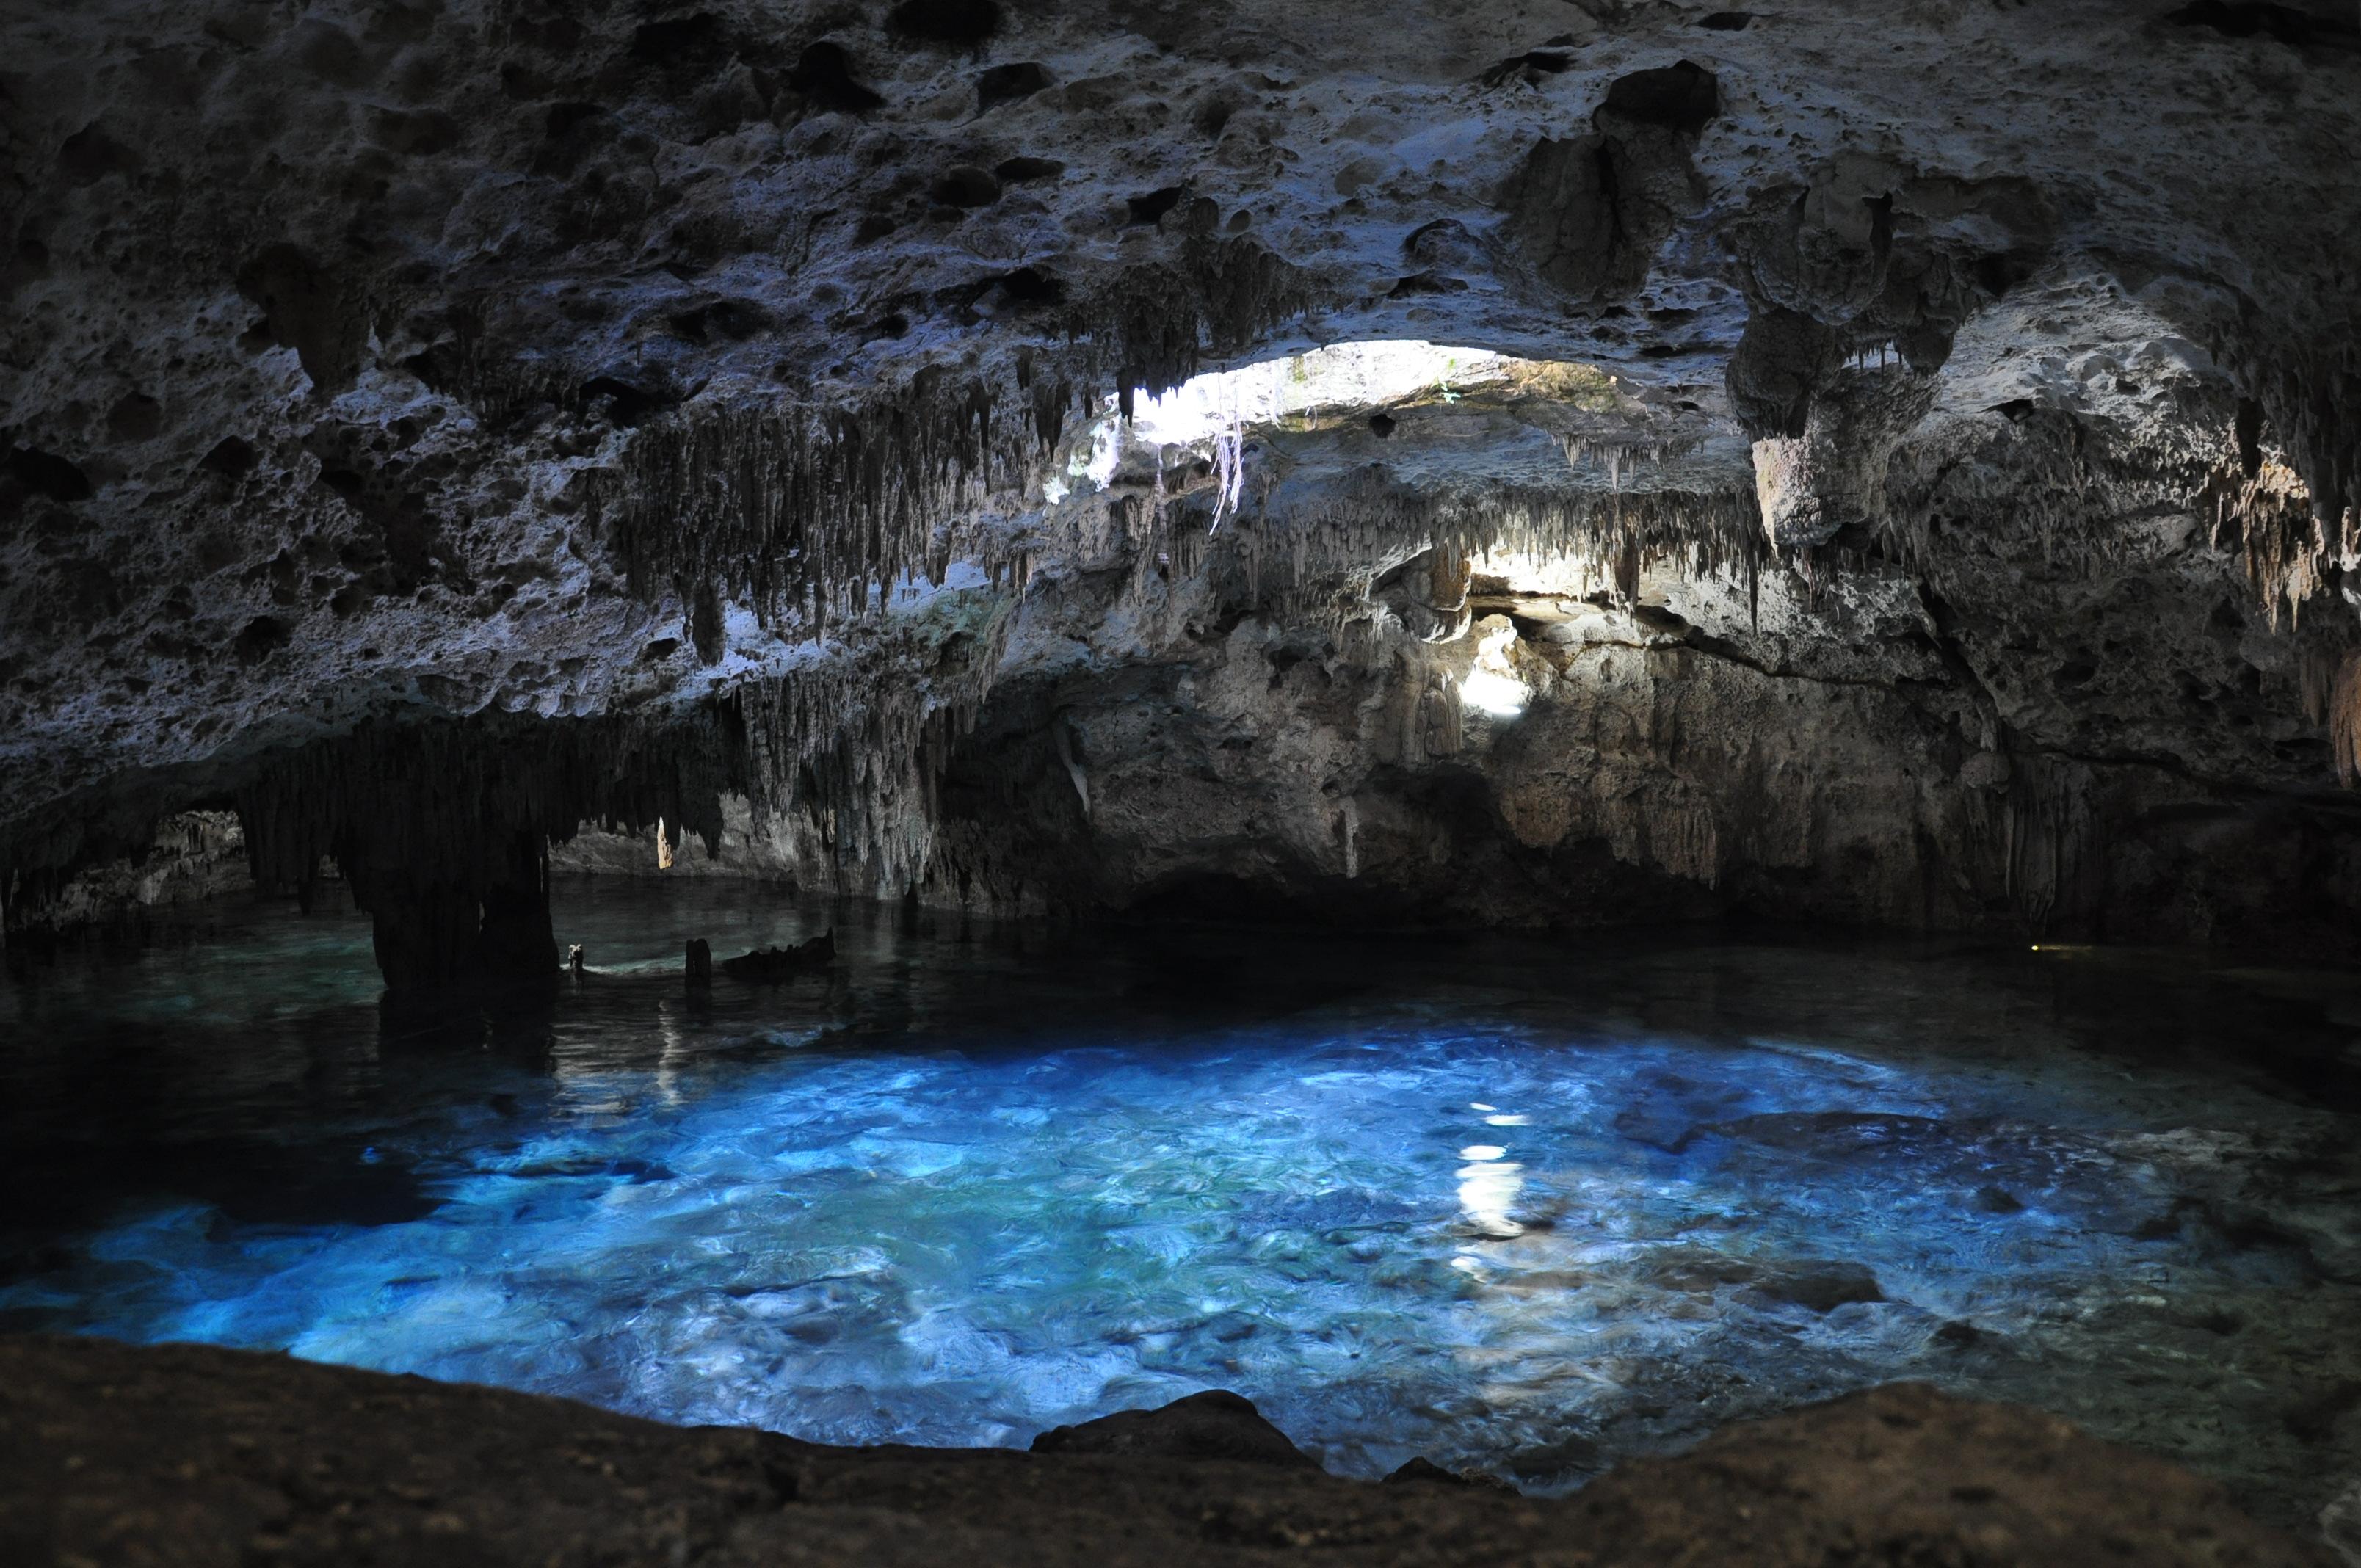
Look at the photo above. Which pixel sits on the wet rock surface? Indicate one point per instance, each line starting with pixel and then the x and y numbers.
pixel 123 1454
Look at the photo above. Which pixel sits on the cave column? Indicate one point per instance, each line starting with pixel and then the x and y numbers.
pixel 444 926
pixel 515 938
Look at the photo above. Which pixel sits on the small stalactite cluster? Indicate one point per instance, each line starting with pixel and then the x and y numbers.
pixel 859 745
pixel 440 829
pixel 810 511
pixel 2293 549
pixel 2306 394
pixel 2332 695
pixel 805 513
pixel 1617 537
pixel 2050 841
pixel 2048 474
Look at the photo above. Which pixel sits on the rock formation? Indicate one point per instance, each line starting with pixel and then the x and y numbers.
pixel 132 1454
pixel 1898 464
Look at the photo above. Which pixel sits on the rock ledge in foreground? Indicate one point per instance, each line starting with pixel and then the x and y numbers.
pixel 116 1453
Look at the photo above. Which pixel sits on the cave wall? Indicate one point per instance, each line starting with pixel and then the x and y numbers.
pixel 593 387
pixel 2110 742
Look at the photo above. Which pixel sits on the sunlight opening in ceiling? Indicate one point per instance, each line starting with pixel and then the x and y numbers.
pixel 1341 381
pixel 1341 376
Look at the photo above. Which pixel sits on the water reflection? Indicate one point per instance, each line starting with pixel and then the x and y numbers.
pixel 1514 1207
pixel 1488 1187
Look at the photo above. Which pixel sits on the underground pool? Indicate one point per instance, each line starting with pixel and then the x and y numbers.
pixel 1523 1205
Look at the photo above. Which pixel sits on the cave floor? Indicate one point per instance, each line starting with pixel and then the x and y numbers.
pixel 1533 1206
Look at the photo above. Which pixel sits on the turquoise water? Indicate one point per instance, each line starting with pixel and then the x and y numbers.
pixel 1528 1206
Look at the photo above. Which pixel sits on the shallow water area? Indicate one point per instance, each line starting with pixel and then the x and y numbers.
pixel 1534 1206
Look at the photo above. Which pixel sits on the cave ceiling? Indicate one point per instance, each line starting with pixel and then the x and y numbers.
pixel 593 361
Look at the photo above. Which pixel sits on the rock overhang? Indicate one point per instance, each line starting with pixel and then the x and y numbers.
pixel 512 343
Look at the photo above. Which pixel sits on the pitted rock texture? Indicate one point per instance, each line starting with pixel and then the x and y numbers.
pixel 731 379
pixel 192 1454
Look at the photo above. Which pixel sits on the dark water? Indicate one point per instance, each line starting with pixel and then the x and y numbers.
pixel 1530 1206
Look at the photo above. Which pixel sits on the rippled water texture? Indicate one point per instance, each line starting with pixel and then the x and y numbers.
pixel 1527 1206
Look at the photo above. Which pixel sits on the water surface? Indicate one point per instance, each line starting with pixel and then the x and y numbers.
pixel 1530 1206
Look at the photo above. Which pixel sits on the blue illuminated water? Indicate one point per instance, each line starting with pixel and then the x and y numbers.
pixel 1533 1207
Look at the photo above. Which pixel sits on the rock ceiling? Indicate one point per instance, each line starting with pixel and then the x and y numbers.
pixel 595 363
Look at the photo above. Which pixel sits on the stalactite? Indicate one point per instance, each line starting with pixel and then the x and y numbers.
pixel 42 853
pixel 2052 862
pixel 438 828
pixel 2294 449
pixel 2087 490
pixel 2073 485
pixel 2290 549
pixel 2344 706
pixel 806 510
pixel 187 856
pixel 859 741
pixel 816 513
pixel 1375 520
pixel 2306 390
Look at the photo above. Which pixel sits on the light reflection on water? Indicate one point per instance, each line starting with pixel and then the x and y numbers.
pixel 1524 1207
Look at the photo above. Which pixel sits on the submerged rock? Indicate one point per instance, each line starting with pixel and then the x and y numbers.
pixel 1820 1285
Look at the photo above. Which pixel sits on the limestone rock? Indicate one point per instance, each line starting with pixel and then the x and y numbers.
pixel 750 382
pixel 122 1453
pixel 1216 1424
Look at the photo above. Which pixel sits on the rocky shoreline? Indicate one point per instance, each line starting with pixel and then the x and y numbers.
pixel 116 1453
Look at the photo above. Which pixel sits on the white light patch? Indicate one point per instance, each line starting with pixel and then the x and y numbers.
pixel 1487 1192
pixel 1501 695
pixel 1482 1151
pixel 1492 685
pixel 1345 378
pixel 1343 375
pixel 1106 451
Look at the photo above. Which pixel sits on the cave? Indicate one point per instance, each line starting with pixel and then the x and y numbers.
pixel 1554 781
